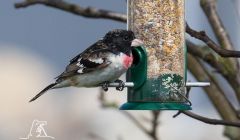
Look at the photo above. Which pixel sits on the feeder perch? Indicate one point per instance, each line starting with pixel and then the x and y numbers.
pixel 157 78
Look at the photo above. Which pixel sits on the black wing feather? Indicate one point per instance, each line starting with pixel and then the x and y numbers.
pixel 96 47
pixel 89 64
pixel 85 60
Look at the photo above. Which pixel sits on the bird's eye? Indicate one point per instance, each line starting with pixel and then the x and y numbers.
pixel 126 38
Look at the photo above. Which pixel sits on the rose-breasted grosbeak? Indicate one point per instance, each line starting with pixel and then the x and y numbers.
pixel 103 62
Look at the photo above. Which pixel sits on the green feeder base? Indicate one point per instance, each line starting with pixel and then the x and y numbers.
pixel 155 106
pixel 163 92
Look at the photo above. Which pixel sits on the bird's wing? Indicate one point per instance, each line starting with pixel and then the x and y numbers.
pixel 96 47
pixel 93 58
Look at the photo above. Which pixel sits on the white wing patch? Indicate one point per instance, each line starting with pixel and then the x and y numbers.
pixel 99 60
pixel 81 66
pixel 80 70
pixel 78 64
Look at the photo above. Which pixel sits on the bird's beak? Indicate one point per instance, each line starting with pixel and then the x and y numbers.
pixel 137 42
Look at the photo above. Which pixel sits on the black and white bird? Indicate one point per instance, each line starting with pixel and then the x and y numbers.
pixel 103 62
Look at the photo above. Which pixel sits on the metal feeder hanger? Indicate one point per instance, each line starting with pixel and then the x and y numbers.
pixel 157 79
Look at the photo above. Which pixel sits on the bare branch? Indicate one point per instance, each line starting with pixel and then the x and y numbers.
pixel 214 92
pixel 208 57
pixel 153 132
pixel 207 120
pixel 106 104
pixel 221 65
pixel 136 122
pixel 155 123
pixel 210 121
pixel 89 12
pixel 209 7
pixel 204 37
pixel 216 95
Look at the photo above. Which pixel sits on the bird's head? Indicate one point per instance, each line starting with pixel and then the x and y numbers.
pixel 121 40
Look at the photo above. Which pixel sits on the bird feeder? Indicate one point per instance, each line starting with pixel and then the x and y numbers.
pixel 159 70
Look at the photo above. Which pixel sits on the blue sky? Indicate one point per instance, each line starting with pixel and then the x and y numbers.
pixel 55 35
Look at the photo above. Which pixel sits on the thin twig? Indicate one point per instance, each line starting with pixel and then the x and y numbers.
pixel 155 123
pixel 177 114
pixel 136 122
pixel 89 12
pixel 187 96
pixel 107 104
pixel 205 119
pixel 201 35
pixel 208 57
pixel 211 121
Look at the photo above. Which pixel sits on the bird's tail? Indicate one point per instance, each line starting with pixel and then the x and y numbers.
pixel 43 91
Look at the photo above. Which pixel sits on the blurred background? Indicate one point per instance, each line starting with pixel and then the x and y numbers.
pixel 37 43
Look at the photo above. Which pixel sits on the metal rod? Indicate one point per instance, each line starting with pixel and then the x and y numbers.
pixel 197 84
pixel 126 84
pixel 188 84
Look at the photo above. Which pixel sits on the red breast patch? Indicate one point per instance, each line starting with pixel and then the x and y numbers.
pixel 127 61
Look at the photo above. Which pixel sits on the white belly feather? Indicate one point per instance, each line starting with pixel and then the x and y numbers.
pixel 111 73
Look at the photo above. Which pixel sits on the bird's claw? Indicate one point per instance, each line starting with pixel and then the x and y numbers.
pixel 121 85
pixel 105 86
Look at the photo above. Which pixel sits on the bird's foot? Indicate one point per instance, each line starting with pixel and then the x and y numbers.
pixel 121 85
pixel 105 86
